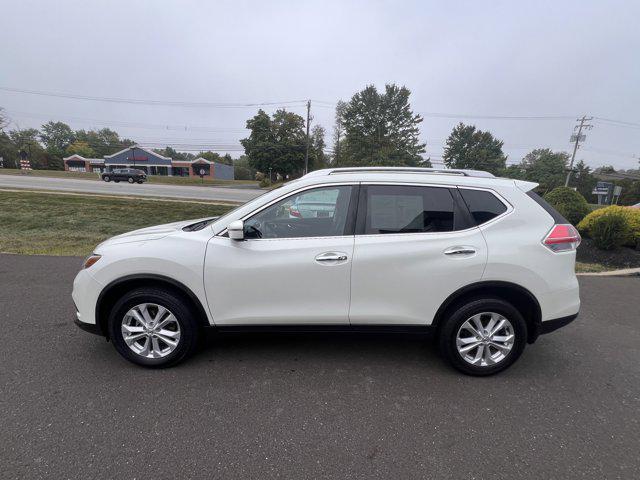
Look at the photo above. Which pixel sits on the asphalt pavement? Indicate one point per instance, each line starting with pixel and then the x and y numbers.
pixel 226 194
pixel 311 407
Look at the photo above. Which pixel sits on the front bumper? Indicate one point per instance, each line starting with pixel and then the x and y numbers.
pixel 85 296
pixel 88 327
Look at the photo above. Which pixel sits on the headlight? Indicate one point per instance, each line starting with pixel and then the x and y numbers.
pixel 91 260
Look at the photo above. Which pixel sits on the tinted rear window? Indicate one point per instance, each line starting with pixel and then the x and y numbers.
pixel 557 217
pixel 408 209
pixel 482 205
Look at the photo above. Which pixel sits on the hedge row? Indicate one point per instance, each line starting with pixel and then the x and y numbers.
pixel 612 226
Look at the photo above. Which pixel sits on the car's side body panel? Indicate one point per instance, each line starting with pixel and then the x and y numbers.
pixel 517 255
pixel 278 281
pixel 403 279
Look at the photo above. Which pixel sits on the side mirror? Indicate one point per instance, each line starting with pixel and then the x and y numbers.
pixel 236 230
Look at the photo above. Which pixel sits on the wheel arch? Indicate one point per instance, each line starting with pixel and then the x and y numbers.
pixel 114 290
pixel 521 298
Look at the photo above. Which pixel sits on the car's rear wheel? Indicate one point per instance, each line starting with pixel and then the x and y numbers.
pixel 483 336
pixel 130 180
pixel 153 327
pixel 106 178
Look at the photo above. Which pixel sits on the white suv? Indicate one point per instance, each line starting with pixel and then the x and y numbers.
pixel 482 262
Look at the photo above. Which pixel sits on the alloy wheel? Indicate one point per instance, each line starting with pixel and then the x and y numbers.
pixel 150 330
pixel 485 339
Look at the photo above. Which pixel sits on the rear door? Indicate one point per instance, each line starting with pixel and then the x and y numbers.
pixel 415 244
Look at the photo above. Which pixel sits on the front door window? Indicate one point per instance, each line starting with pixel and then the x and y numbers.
pixel 320 212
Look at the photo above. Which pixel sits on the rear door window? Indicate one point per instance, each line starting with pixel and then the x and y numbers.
pixel 482 205
pixel 407 209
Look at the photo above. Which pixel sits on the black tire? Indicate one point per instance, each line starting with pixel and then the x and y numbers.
pixel 464 311
pixel 130 180
pixel 116 181
pixel 140 182
pixel 186 318
pixel 106 178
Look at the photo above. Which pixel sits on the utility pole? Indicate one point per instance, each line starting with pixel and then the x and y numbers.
pixel 306 155
pixel 577 138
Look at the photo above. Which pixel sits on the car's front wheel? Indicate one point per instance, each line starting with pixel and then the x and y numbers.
pixel 483 336
pixel 153 327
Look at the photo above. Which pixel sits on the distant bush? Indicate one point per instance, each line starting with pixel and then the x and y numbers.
pixel 259 176
pixel 243 173
pixel 265 183
pixel 569 203
pixel 610 231
pixel 631 216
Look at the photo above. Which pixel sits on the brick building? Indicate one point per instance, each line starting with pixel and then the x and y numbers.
pixel 152 163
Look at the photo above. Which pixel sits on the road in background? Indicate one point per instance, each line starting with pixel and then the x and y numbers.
pixel 226 194
pixel 311 407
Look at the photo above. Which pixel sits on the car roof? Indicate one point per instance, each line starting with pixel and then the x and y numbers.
pixel 477 178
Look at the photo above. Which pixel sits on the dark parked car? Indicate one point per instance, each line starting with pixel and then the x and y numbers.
pixel 131 175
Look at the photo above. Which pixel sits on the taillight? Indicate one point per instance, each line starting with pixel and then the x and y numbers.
pixel 562 238
pixel 294 212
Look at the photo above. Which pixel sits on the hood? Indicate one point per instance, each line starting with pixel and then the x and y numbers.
pixel 150 233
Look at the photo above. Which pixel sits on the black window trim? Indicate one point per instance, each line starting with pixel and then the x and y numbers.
pixel 361 217
pixel 351 212
pixel 459 207
pixel 500 198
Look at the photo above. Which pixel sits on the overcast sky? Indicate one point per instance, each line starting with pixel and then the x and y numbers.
pixel 492 58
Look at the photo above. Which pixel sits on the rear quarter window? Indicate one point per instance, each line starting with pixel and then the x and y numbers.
pixel 482 205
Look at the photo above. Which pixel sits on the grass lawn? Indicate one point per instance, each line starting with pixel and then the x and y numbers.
pixel 58 224
pixel 590 268
pixel 153 179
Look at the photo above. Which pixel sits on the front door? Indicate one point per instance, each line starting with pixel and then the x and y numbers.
pixel 293 266
pixel 414 246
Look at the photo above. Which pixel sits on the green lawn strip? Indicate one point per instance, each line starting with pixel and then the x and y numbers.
pixel 51 224
pixel 590 268
pixel 152 179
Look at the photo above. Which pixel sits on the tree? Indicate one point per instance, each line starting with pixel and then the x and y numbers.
pixel 56 137
pixel 242 169
pixel 470 148
pixel 27 141
pixel 338 132
pixel 81 148
pixel 583 180
pixel 317 158
pixel 4 120
pixel 546 168
pixel 380 129
pixel 104 141
pixel 276 143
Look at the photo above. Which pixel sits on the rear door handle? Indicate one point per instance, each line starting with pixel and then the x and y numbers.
pixel 459 251
pixel 331 257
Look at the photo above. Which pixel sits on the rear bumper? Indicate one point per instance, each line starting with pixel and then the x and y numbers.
pixel 552 325
pixel 549 326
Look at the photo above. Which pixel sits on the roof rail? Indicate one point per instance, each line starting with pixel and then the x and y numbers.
pixel 429 171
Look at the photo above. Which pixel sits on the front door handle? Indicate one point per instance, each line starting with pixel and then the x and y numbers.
pixel 459 251
pixel 331 257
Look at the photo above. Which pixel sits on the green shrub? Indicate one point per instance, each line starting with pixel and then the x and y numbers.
pixel 569 203
pixel 265 183
pixel 610 231
pixel 632 216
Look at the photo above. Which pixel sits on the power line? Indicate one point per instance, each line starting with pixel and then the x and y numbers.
pixel 137 101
